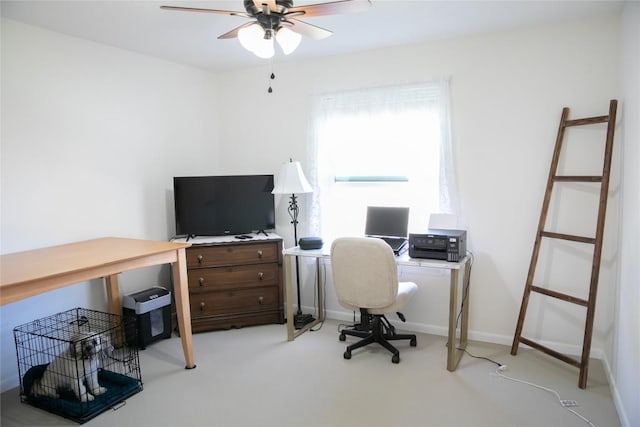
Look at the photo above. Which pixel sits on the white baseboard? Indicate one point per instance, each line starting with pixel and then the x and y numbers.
pixel 573 350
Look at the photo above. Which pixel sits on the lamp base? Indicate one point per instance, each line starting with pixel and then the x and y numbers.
pixel 300 319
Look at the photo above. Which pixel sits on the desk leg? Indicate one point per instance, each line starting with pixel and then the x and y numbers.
pixel 292 333
pixel 464 326
pixel 288 274
pixel 453 303
pixel 113 299
pixel 455 350
pixel 320 292
pixel 113 294
pixel 181 290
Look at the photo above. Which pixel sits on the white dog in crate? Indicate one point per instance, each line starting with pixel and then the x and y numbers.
pixel 75 369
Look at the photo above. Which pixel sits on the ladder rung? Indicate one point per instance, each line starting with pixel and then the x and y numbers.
pixel 568 237
pixel 575 178
pixel 550 352
pixel 587 121
pixel 560 295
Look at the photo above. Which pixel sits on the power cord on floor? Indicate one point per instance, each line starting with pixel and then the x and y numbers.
pixel 565 403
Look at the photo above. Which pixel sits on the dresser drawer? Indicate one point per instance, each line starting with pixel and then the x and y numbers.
pixel 236 301
pixel 212 256
pixel 216 278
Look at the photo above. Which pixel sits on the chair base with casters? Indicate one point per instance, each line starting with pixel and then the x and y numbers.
pixel 375 328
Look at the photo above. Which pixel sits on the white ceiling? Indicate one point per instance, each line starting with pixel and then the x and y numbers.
pixel 191 38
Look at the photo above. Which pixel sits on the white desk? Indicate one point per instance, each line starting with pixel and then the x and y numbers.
pixel 455 347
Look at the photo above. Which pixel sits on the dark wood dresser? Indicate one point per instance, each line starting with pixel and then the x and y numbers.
pixel 235 284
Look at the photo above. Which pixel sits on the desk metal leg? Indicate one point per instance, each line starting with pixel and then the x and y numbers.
pixel 453 303
pixel 455 350
pixel 183 311
pixel 320 292
pixel 291 332
pixel 464 325
pixel 288 274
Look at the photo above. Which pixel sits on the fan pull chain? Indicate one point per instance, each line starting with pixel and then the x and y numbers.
pixel 272 76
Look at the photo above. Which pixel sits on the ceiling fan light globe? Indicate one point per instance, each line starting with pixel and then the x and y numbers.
pixel 264 49
pixel 288 40
pixel 251 36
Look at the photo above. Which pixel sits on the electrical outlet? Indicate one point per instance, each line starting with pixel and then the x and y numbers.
pixel 569 403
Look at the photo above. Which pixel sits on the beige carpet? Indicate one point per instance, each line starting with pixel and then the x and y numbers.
pixel 254 377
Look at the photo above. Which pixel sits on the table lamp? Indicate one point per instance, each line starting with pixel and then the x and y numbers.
pixel 292 181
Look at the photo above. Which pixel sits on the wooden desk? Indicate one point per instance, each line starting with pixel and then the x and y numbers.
pixel 30 273
pixel 455 346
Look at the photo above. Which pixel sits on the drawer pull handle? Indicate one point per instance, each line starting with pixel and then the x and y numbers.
pixel 259 254
pixel 200 257
pixel 201 281
pixel 201 306
pixel 260 275
pixel 260 299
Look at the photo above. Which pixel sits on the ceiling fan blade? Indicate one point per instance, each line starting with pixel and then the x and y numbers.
pixel 234 33
pixel 195 9
pixel 271 3
pixel 309 30
pixel 332 8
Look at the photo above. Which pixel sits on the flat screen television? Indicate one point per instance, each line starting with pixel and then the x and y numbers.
pixel 223 205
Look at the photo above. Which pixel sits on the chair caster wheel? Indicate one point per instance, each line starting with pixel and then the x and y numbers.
pixel 342 337
pixel 413 342
pixel 347 355
pixel 395 358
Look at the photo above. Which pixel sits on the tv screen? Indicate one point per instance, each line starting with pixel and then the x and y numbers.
pixel 223 205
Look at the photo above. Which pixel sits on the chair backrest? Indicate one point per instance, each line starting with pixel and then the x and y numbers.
pixel 365 273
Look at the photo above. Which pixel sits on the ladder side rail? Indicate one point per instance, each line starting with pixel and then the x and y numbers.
pixel 541 223
pixel 597 253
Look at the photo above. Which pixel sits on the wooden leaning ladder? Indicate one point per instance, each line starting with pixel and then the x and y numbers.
pixel 589 303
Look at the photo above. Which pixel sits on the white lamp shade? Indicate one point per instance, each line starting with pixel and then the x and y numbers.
pixel 291 180
pixel 288 40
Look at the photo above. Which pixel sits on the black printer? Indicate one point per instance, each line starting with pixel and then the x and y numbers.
pixel 448 245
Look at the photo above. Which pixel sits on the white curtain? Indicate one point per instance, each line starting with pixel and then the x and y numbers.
pixel 430 99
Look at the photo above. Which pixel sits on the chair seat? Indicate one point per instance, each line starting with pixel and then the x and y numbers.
pixel 405 292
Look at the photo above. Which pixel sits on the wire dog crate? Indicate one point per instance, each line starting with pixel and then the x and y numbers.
pixel 76 364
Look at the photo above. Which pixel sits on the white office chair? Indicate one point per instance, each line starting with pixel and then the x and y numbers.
pixel 365 277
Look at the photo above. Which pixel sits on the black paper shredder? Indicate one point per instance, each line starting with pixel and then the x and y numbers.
pixel 151 310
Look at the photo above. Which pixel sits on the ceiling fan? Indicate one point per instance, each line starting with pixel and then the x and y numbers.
pixel 279 19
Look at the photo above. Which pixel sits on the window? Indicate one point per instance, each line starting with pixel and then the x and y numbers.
pixel 384 146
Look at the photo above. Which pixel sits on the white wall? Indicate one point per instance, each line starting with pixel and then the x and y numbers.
pixel 91 138
pixel 83 124
pixel 508 90
pixel 626 351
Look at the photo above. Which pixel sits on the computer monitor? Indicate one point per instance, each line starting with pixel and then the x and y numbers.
pixel 387 221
